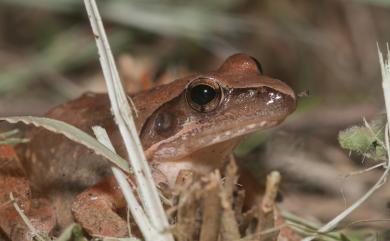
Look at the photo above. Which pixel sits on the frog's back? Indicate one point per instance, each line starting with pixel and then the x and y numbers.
pixel 51 161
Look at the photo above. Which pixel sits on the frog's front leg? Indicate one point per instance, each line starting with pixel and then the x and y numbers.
pixel 101 209
pixel 97 210
pixel 14 184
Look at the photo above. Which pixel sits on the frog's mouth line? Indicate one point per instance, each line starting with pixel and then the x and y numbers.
pixel 168 151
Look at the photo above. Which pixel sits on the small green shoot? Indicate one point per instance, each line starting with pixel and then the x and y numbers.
pixel 366 140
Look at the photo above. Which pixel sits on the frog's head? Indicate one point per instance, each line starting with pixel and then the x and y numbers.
pixel 216 107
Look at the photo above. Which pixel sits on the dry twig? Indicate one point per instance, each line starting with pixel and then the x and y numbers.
pixel 211 219
pixel 229 225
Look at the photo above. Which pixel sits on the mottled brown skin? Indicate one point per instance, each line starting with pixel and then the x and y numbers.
pixel 175 136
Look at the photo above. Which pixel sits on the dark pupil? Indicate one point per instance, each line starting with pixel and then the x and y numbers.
pixel 202 94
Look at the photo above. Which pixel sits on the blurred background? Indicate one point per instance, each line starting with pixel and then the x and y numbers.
pixel 325 47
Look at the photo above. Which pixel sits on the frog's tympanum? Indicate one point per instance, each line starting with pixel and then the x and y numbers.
pixel 192 124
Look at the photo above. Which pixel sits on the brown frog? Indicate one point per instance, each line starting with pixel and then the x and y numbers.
pixel 193 123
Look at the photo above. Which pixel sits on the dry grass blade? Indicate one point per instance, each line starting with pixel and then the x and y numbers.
pixel 211 209
pixel 368 126
pixel 125 121
pixel 385 68
pixel 8 138
pixel 271 191
pixel 267 208
pixel 73 134
pixel 26 221
pixel 136 209
pixel 67 233
pixel 187 209
pixel 8 134
pixel 229 225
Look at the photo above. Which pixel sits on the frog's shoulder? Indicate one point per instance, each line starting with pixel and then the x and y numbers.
pixel 85 111
pixel 95 109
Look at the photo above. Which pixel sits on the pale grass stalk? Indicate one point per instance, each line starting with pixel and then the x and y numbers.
pixel 128 214
pixel 66 235
pixel 73 134
pixel 7 134
pixel 368 126
pixel 366 221
pixel 249 237
pixel 125 121
pixel 25 219
pixel 139 215
pixel 382 164
pixel 119 239
pixel 385 68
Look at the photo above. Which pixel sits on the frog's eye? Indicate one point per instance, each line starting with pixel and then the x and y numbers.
pixel 204 95
pixel 258 65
